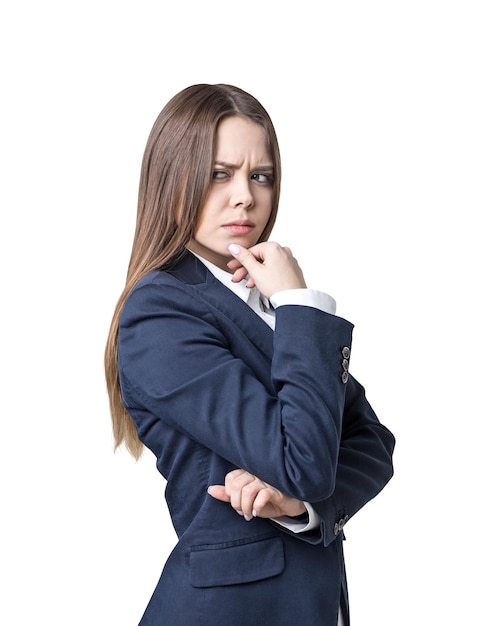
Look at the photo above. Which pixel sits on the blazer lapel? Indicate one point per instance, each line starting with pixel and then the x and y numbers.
pixel 191 271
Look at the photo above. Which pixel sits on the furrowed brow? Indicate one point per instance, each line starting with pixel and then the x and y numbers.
pixel 235 166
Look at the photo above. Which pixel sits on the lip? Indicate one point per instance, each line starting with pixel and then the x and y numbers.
pixel 239 227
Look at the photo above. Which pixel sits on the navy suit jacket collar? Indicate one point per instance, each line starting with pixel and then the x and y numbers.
pixel 189 270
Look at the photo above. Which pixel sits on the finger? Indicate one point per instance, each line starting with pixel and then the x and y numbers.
pixel 249 496
pixel 238 499
pixel 234 264
pixel 234 475
pixel 242 488
pixel 245 256
pixel 218 492
pixel 235 480
pixel 239 274
pixel 251 260
pixel 263 498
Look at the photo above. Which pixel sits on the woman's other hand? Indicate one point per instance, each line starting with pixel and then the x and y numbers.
pixel 252 497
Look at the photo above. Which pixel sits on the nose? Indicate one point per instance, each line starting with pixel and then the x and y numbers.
pixel 242 196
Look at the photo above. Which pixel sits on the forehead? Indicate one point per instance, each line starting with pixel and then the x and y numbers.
pixel 239 137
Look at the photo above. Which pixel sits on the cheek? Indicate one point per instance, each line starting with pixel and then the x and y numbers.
pixel 207 225
pixel 211 209
pixel 200 232
pixel 204 217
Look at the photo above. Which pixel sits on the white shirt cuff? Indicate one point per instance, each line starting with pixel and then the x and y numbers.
pixel 299 527
pixel 306 297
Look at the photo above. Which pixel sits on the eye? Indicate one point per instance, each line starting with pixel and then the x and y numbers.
pixel 263 178
pixel 219 174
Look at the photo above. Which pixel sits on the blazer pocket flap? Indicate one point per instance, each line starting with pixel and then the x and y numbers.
pixel 236 562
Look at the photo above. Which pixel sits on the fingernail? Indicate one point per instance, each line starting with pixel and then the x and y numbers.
pixel 239 512
pixel 255 513
pixel 247 518
pixel 234 248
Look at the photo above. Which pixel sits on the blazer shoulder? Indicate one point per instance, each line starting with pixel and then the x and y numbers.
pixel 186 270
pixel 182 286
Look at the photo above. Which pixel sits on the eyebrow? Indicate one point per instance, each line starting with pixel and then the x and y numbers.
pixel 263 168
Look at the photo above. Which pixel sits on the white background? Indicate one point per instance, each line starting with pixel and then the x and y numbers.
pixel 385 115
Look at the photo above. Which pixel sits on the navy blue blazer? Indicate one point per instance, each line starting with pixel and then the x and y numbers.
pixel 211 388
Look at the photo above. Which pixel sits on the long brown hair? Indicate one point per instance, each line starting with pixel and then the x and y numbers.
pixel 175 179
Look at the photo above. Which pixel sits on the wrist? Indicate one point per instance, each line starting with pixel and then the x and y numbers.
pixel 298 509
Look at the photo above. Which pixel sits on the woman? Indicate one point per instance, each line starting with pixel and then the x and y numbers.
pixel 236 376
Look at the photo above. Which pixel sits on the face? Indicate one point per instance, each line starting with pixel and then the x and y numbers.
pixel 240 199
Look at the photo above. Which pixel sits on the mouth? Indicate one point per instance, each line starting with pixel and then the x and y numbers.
pixel 239 227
